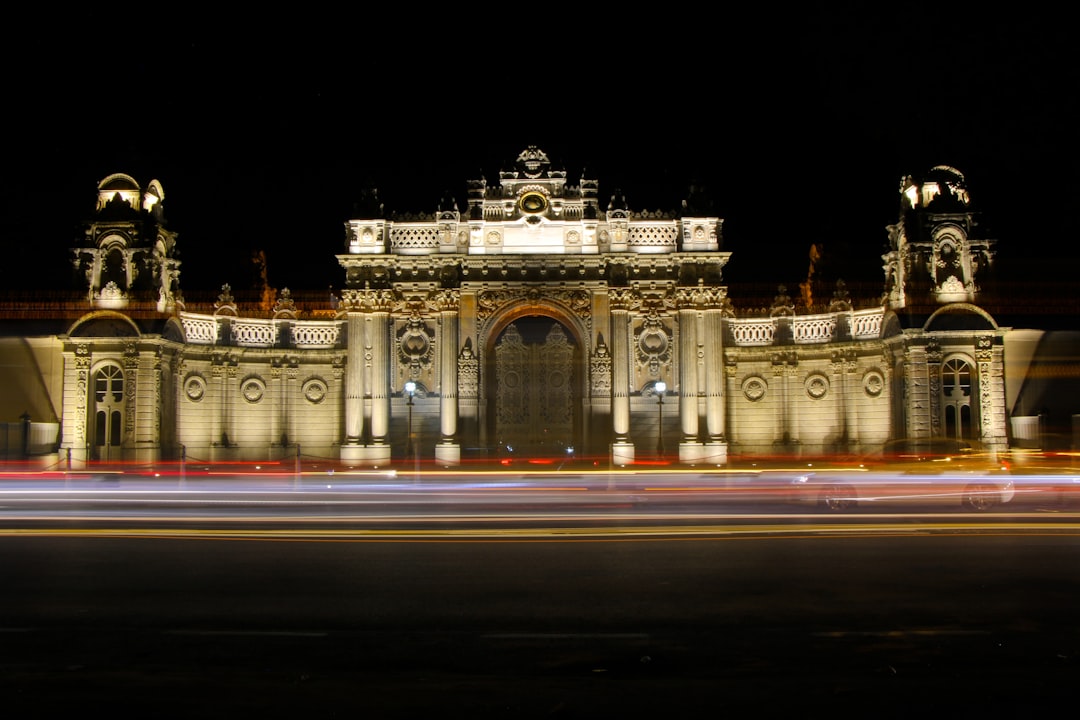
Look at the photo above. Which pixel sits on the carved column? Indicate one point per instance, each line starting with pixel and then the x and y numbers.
pixel 217 375
pixel 354 378
pixel 79 443
pixel 688 380
pixel 791 387
pixel 448 451
pixel 291 373
pixel 934 357
pixel 621 299
pixel 232 393
pixel 851 392
pixel 277 414
pixel 715 395
pixel 989 358
pixel 714 375
pixel 785 366
pixel 379 338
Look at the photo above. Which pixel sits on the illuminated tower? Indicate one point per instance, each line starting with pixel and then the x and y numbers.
pixel 934 255
pixel 127 255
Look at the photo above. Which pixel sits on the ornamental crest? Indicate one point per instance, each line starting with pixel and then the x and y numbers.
pixel 415 343
pixel 652 345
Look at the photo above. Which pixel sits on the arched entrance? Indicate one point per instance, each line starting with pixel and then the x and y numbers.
pixel 107 413
pixel 534 389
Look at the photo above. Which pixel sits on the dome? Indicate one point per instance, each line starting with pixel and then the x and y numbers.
pixel 118 182
pixel 942 185
pixel 119 185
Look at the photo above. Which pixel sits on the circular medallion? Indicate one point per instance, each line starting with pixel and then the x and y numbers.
pixel 415 344
pixel 532 203
pixel 817 386
pixel 873 383
pixel 195 388
pixel 314 390
pixel 653 342
pixel 754 388
pixel 253 390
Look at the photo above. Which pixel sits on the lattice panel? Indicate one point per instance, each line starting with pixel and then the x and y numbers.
pixel 753 332
pixel 199 331
pixel 316 336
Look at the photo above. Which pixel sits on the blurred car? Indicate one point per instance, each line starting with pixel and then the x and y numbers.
pixel 939 472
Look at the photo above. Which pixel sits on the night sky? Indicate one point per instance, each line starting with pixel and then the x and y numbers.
pixel 798 127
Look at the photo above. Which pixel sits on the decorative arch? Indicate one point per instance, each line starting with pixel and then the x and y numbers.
pixel 503 316
pixel 104 323
pixel 890 325
pixel 174 330
pixel 939 318
pixel 575 330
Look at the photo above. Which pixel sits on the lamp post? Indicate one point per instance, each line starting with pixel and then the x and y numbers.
pixel 661 388
pixel 410 390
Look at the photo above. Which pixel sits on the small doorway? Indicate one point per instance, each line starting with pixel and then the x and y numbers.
pixel 108 413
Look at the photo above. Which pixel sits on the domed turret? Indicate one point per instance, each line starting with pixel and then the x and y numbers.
pixel 127 254
pixel 933 253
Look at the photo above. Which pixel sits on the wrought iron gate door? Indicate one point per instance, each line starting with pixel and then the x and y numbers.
pixel 534 391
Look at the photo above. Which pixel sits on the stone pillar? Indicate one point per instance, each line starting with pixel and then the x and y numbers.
pixel 850 391
pixel 378 303
pixel 621 300
pixel 448 451
pixel 793 392
pixel 354 380
pixel 688 366
pixel 217 378
pixel 690 447
pixel 715 416
pixel 934 357
pixel 277 414
pixel 379 338
pixel 291 371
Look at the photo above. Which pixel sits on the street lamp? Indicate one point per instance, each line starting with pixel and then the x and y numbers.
pixel 410 389
pixel 660 388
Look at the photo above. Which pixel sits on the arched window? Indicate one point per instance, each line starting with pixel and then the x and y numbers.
pixel 108 412
pixel 956 398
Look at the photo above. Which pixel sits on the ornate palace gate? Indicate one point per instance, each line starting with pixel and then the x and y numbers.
pixel 535 401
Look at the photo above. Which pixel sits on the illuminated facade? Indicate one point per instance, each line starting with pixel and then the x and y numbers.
pixel 537 321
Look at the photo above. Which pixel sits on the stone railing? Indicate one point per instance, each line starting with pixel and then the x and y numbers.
pixel 316 335
pixel 414 239
pixel 808 329
pixel 813 329
pixel 256 332
pixel 753 332
pixel 866 324
pixel 642 235
pixel 200 330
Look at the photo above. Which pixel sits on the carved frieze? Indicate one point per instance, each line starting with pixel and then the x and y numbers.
pixel 468 372
pixel 600 369
pixel 367 300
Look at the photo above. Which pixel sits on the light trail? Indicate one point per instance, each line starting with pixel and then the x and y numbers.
pixel 627 532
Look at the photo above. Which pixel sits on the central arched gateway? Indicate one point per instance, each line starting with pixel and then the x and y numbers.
pixel 534 383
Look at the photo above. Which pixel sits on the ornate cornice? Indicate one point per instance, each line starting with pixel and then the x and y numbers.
pixel 367 300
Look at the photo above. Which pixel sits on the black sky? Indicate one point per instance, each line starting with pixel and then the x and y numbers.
pixel 264 134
